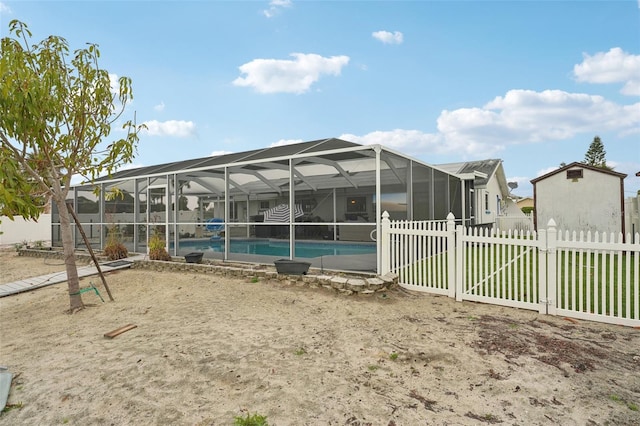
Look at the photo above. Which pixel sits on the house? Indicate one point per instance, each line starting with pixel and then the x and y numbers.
pixel 488 186
pixel 333 193
pixel 580 197
pixel 632 213
pixel 525 202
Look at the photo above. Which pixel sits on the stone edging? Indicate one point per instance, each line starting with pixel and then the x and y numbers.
pixel 345 284
pixel 55 254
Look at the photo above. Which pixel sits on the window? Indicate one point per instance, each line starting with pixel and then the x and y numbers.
pixel 574 174
pixel 486 201
pixel 356 204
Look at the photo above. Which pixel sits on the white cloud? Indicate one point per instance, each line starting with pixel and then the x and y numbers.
pixel 289 76
pixel 519 117
pixel 522 182
pixel 543 172
pixel 177 128
pixel 283 142
pixel 159 107
pixel 114 84
pixel 614 66
pixel 526 116
pixel 275 6
pixel 75 179
pixel 411 141
pixel 218 153
pixel 114 87
pixel 387 37
pixel 4 8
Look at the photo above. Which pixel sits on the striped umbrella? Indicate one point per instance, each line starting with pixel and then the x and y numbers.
pixel 281 213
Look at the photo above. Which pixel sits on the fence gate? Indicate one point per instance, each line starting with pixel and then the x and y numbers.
pixel 421 253
pixel 502 269
pixel 583 276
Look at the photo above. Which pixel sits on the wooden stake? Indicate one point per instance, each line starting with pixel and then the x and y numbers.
pixel 86 243
pixel 119 331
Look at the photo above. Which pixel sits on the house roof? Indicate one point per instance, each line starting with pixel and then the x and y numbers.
pixel 519 200
pixel 576 164
pixel 487 169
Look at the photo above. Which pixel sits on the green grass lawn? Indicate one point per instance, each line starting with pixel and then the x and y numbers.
pixel 600 283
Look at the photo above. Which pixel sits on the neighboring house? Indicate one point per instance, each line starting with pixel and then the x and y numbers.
pixel 490 192
pixel 525 202
pixel 22 231
pixel 580 197
pixel 632 213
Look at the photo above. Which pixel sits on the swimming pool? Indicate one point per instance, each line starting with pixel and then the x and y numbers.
pixel 306 249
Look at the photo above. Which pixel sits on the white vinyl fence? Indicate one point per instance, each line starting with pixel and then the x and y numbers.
pixel 518 223
pixel 593 277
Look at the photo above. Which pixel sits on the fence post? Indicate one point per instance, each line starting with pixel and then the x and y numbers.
pixel 460 263
pixel 542 271
pixel 385 245
pixel 552 262
pixel 451 255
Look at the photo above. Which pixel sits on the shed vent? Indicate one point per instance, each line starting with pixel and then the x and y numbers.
pixel 574 174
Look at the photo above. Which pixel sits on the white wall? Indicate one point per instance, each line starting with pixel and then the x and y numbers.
pixel 591 203
pixel 488 213
pixel 632 214
pixel 20 230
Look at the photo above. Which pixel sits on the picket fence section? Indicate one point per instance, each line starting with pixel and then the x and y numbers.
pixel 498 268
pixel 420 253
pixel 587 276
pixel 598 276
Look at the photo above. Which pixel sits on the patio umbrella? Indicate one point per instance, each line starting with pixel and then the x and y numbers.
pixel 280 213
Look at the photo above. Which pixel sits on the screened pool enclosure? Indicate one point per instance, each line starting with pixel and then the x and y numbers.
pixel 320 200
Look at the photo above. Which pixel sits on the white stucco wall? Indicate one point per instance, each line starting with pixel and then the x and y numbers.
pixel 488 213
pixel 20 231
pixel 632 215
pixel 591 203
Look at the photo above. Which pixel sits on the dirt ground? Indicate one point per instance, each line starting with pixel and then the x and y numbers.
pixel 208 349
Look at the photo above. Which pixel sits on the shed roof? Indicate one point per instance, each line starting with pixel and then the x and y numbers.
pixel 576 164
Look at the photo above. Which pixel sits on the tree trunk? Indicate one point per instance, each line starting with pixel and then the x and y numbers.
pixel 68 246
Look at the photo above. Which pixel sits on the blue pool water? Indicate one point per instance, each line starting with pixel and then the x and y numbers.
pixel 306 249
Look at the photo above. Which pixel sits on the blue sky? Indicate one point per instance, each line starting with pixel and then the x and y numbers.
pixel 531 83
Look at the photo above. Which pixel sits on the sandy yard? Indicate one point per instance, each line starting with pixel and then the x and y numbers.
pixel 207 349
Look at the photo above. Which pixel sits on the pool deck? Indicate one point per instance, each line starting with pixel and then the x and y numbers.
pixel 346 262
